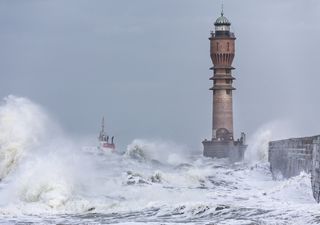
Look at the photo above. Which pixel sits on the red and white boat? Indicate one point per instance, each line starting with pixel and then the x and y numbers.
pixel 105 143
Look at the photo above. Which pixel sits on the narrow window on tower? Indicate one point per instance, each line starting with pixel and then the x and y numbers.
pixel 228 92
pixel 228 46
pixel 217 46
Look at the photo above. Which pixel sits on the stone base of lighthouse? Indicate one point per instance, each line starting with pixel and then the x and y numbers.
pixel 233 150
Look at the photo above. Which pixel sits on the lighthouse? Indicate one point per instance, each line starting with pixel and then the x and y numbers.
pixel 222 52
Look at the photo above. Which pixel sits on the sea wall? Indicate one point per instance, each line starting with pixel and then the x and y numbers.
pixel 290 157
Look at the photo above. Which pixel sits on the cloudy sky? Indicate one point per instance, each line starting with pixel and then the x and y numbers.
pixel 145 64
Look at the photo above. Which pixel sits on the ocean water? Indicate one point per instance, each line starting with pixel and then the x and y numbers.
pixel 48 179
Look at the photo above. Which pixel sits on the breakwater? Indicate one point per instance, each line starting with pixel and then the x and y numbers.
pixel 290 157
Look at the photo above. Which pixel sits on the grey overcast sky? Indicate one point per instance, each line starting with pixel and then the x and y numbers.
pixel 145 64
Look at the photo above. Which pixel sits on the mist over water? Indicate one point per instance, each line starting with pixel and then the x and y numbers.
pixel 49 178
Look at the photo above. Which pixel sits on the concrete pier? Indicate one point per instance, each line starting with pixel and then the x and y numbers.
pixel 290 157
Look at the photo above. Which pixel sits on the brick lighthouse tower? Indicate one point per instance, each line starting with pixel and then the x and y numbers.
pixel 222 52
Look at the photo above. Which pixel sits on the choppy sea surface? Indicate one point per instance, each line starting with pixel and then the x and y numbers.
pixel 48 179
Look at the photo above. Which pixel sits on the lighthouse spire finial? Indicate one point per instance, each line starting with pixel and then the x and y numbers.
pixel 222 6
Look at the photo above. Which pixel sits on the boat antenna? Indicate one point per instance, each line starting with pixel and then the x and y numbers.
pixel 102 125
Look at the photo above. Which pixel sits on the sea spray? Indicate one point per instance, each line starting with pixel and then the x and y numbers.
pixel 162 151
pixel 56 175
pixel 258 145
pixel 258 142
pixel 38 164
pixel 23 125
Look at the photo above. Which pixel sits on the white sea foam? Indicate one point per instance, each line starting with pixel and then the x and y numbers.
pixel 38 165
pixel 165 152
pixel 154 181
pixel 22 126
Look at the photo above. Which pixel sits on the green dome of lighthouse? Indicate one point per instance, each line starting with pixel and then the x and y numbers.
pixel 222 20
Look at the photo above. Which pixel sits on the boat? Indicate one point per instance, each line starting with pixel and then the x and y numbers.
pixel 105 142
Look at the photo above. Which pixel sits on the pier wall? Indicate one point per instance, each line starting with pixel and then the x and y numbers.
pixel 290 157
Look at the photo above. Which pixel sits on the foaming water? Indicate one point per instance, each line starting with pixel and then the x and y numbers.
pixel 54 181
pixel 165 152
pixel 22 126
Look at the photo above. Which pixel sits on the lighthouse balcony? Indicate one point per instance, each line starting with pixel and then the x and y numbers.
pixel 222 34
pixel 222 87
pixel 222 67
pixel 222 77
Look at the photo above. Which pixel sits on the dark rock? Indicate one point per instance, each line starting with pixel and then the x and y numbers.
pixel 222 207
pixel 91 209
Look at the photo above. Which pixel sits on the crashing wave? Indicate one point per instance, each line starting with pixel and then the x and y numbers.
pixel 156 178
pixel 22 126
pixel 136 152
pixel 135 178
pixel 157 152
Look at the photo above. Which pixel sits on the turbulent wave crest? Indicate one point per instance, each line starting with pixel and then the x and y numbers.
pixel 164 152
pixel 49 182
pixel 22 126
pixel 37 164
